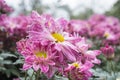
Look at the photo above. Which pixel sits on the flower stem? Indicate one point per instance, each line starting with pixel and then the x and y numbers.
pixel 32 75
pixel 113 69
pixel 37 75
pixel 69 76
pixel 25 75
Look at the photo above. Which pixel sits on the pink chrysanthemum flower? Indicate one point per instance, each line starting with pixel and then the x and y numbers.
pixel 78 26
pixel 4 8
pixel 78 71
pixel 87 55
pixel 36 56
pixel 15 25
pixel 49 31
pixel 91 55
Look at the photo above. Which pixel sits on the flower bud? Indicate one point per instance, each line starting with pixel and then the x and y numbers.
pixel 108 51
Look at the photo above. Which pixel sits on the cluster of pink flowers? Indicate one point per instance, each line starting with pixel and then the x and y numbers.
pixel 15 25
pixel 50 48
pixel 107 28
pixel 12 29
pixel 78 26
pixel 4 8
pixel 98 27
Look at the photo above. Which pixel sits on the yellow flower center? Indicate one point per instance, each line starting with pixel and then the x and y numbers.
pixel 49 24
pixel 75 64
pixel 58 37
pixel 106 35
pixel 12 25
pixel 41 54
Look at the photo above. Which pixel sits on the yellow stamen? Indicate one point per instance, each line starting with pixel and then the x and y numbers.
pixel 41 54
pixel 75 64
pixel 58 37
pixel 49 24
pixel 106 35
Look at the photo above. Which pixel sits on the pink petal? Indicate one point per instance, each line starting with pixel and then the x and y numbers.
pixel 44 68
pixel 26 66
pixel 35 67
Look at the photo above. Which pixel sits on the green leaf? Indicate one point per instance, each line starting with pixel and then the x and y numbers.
pixel 2 68
pixel 19 61
pixel 30 72
pixel 15 72
pixel 8 73
pixel 6 62
pixel 1 58
pixel 5 55
pixel 60 78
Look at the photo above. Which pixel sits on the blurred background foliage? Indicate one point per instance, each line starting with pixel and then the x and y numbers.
pixel 115 10
pixel 57 9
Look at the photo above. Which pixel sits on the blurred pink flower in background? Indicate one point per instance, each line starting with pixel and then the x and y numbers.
pixel 78 71
pixel 4 8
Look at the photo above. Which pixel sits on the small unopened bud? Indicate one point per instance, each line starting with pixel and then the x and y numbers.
pixel 108 52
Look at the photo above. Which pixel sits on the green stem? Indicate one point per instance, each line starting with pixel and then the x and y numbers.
pixel 69 76
pixel 113 69
pixel 106 78
pixel 32 75
pixel 37 75
pixel 25 75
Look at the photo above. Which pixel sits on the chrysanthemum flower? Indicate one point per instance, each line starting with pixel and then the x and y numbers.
pixel 4 8
pixel 15 25
pixel 36 56
pixel 87 55
pixel 78 26
pixel 53 33
pixel 78 71
pixel 91 55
